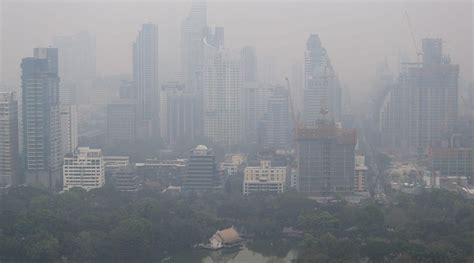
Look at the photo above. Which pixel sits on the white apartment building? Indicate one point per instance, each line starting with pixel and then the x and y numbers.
pixel 86 169
pixel 264 178
pixel 360 178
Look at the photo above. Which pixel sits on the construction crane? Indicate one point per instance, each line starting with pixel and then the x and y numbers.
pixel 418 53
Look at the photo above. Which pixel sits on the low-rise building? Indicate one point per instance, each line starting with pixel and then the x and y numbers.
pixel 264 178
pixel 125 179
pixel 225 238
pixel 86 169
pixel 115 163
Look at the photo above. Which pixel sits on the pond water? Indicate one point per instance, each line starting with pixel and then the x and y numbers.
pixel 262 251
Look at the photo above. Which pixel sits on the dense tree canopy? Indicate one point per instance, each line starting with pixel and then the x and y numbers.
pixel 104 225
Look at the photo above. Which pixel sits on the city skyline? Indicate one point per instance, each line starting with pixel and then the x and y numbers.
pixel 398 42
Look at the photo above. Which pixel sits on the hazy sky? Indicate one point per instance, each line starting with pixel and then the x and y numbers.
pixel 356 34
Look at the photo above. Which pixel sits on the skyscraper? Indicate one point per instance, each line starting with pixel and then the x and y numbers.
pixel 121 122
pixel 178 113
pixel 9 152
pixel 222 94
pixel 248 60
pixel 41 119
pixel 77 66
pixel 322 92
pixel 423 106
pixel 145 77
pixel 193 31
pixel 276 120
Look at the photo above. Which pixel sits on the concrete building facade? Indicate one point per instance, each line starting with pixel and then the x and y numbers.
pixel 201 173
pixel 41 119
pixel 85 169
pixel 325 159
pixel 264 178
pixel 9 141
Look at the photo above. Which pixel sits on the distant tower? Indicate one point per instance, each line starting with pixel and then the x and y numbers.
pixel 322 90
pixel 193 31
pixel 121 122
pixel 41 119
pixel 179 110
pixel 423 106
pixel 9 152
pixel 145 77
pixel 276 120
pixel 77 66
pixel 248 60
pixel 222 95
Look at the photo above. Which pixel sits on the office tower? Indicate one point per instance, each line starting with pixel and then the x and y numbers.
pixel 41 119
pixel 193 31
pixel 201 173
pixel 179 113
pixel 69 138
pixel 297 86
pixel 145 77
pixel 222 95
pixel 255 98
pixel 77 66
pixel 85 169
pixel 248 60
pixel 276 120
pixel 423 106
pixel 325 159
pixel 9 152
pixel 127 90
pixel 360 179
pixel 121 122
pixel 264 178
pixel 322 92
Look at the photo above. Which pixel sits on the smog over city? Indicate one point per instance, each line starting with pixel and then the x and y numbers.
pixel 236 131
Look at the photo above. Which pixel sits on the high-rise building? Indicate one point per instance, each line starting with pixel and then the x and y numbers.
pixel 121 122
pixel 276 120
pixel 264 178
pixel 322 91
pixel 193 31
pixel 145 78
pixel 255 99
pixel 77 66
pixel 201 172
pixel 9 152
pixel 248 60
pixel 222 94
pixel 179 113
pixel 423 106
pixel 41 119
pixel 69 138
pixel 85 169
pixel 325 159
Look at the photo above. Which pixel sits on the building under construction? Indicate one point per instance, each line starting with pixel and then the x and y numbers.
pixel 325 157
